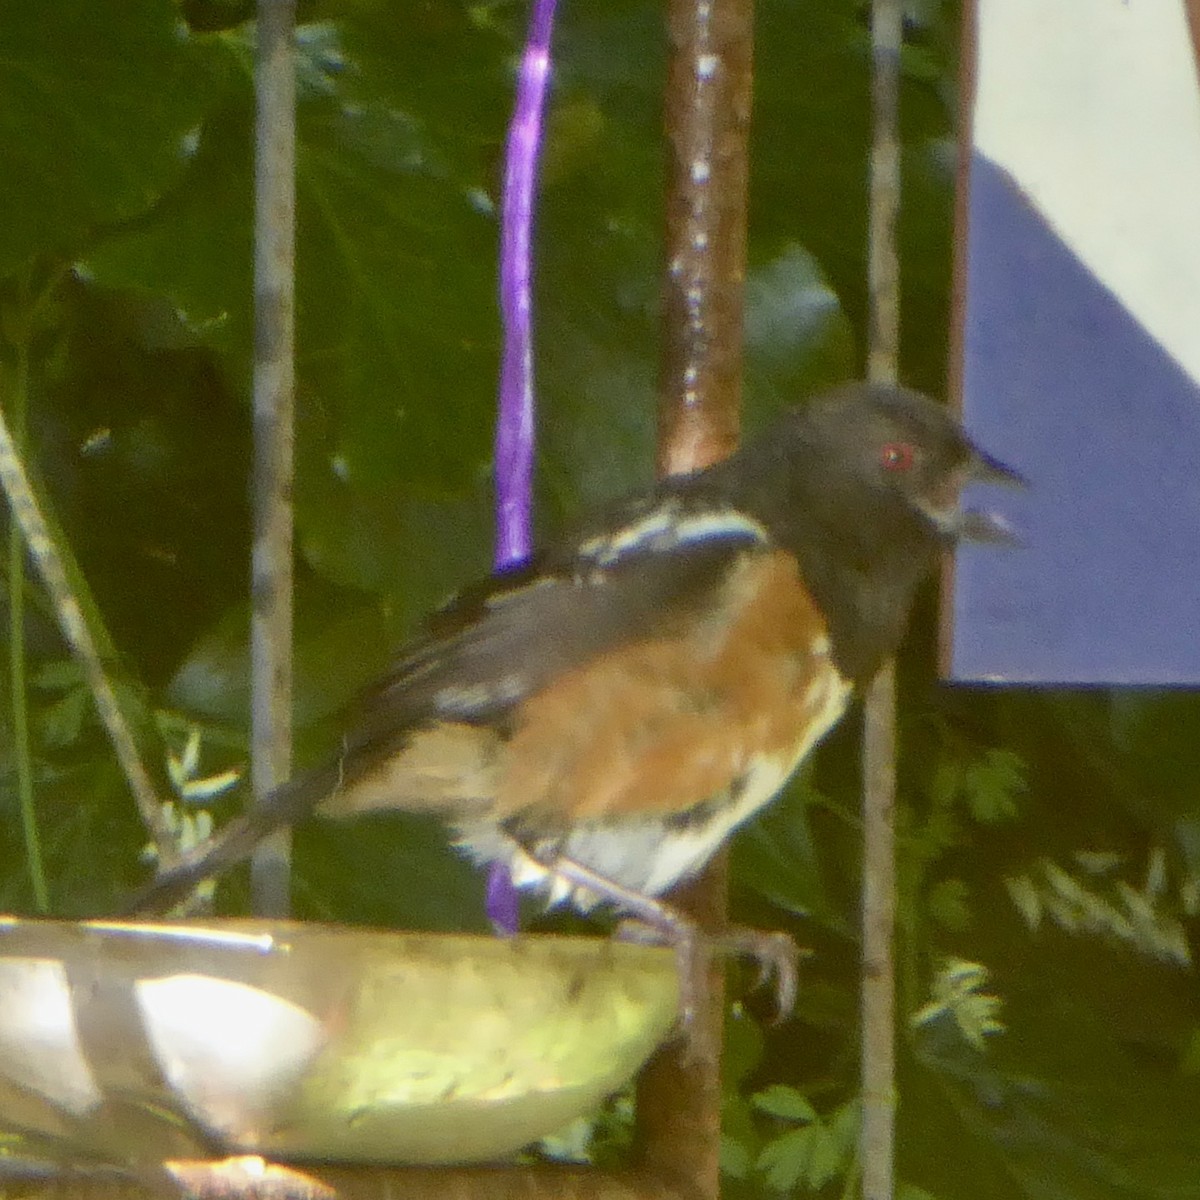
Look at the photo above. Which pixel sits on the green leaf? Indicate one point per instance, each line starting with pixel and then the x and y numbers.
pixel 846 1124
pixel 392 870
pixel 396 320
pixel 570 1145
pixel 742 1046
pixel 1189 1063
pixel 98 112
pixel 910 1191
pixel 947 781
pixel 785 1160
pixel 798 338
pixel 777 856
pixel 59 675
pixel 196 248
pixel 992 785
pixel 828 1157
pixel 397 328
pixel 958 992
pixel 948 904
pixel 735 1158
pixel 386 539
pixel 785 1102
pixel 340 646
pixel 62 722
pixel 1065 1108
pixel 917 62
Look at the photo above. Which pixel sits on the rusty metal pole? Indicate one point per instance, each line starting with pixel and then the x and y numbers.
pixel 708 94
pixel 709 72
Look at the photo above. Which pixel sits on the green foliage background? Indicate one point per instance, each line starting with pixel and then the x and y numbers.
pixel 125 306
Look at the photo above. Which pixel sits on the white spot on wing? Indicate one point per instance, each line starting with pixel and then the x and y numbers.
pixel 666 528
pixel 725 523
pixel 560 891
pixel 472 697
pixel 501 598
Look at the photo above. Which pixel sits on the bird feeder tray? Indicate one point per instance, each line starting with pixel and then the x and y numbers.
pixel 135 1042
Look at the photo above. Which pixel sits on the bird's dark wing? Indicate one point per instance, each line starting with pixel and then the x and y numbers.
pixel 493 647
pixel 503 640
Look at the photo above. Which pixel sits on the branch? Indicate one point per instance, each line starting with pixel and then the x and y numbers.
pixel 56 570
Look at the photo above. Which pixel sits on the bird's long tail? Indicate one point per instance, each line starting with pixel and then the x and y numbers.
pixel 285 805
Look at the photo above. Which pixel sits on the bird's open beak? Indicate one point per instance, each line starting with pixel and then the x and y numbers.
pixel 986 469
pixel 957 523
pixel 976 525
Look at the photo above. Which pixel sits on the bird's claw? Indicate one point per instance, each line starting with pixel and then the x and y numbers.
pixel 777 960
pixel 774 952
pixel 651 921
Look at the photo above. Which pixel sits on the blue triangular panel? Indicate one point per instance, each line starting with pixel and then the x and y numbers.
pixel 1061 382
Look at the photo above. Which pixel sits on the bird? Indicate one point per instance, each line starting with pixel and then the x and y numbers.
pixel 601 717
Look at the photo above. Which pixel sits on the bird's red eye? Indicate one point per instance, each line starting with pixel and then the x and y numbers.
pixel 896 456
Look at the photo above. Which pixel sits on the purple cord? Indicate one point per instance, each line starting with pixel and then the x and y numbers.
pixel 514 424
pixel 514 427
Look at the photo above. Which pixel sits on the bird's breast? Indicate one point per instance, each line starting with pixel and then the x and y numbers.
pixel 641 764
pixel 660 726
pixel 653 852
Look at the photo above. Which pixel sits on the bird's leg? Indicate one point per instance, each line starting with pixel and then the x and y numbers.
pixel 663 924
pixel 773 951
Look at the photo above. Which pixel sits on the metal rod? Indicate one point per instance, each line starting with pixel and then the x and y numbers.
pixel 274 385
pixel 877 1149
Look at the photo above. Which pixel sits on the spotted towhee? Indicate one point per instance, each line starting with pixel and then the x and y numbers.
pixel 601 718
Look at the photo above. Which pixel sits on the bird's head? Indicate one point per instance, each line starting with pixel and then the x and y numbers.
pixel 893 458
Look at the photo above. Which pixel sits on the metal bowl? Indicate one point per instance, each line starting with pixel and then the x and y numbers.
pixel 144 1042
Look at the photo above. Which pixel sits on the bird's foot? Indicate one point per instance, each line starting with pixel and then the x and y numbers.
pixel 776 957
pixel 774 953
pixel 654 922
